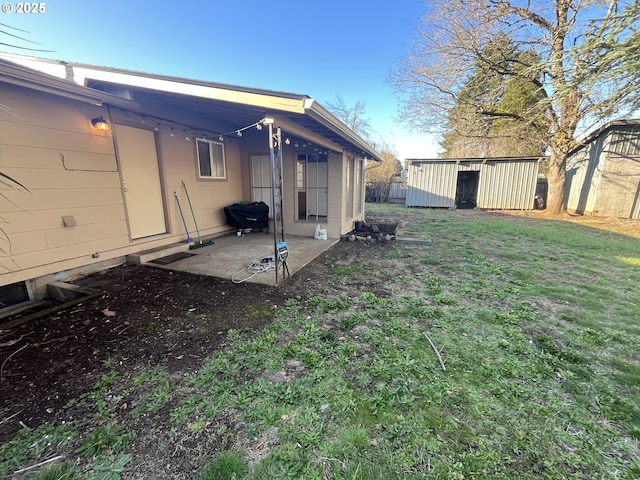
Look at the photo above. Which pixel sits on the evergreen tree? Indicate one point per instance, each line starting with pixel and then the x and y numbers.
pixel 470 131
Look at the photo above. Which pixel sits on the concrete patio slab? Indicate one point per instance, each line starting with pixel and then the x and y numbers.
pixel 230 255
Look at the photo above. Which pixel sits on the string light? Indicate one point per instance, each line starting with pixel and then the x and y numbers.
pixel 191 131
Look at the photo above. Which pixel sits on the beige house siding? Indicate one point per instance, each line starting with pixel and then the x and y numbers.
pixel 47 143
pixel 48 146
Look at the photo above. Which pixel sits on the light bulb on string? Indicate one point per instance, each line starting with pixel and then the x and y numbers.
pixel 239 133
pixel 258 126
pixel 171 134
pixel 157 127
pixel 221 138
pixel 186 136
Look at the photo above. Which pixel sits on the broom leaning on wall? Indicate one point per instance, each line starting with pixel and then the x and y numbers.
pixel 199 243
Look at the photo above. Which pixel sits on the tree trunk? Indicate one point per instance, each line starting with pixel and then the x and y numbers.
pixel 556 176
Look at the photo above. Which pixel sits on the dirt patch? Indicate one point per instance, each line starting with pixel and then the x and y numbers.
pixel 146 316
pixel 623 226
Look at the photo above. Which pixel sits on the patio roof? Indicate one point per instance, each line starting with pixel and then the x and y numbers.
pixel 240 106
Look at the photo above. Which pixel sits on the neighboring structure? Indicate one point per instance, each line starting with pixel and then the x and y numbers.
pixel 398 191
pixel 491 183
pixel 603 173
pixel 100 191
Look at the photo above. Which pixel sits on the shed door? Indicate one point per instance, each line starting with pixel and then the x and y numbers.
pixel 140 176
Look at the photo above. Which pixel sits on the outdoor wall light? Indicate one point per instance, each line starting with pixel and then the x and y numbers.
pixel 100 124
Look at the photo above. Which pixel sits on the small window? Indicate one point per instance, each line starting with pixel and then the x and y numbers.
pixel 211 159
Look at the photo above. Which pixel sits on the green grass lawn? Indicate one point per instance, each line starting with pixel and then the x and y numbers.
pixel 538 326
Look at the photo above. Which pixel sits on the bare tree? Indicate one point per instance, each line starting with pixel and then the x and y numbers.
pixel 579 75
pixel 352 116
pixel 380 175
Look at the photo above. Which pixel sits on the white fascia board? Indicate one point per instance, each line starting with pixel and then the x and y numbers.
pixel 36 80
pixel 53 68
pixel 81 74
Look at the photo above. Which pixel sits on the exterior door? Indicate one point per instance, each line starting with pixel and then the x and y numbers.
pixel 140 176
pixel 261 180
pixel 312 180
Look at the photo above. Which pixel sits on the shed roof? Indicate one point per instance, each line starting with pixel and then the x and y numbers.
pixel 239 105
pixel 473 159
pixel 604 129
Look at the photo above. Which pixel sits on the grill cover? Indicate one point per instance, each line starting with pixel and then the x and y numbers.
pixel 248 215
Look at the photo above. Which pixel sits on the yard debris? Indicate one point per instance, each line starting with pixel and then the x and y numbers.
pixel 39 464
pixel 10 417
pixel 108 313
pixel 437 352
pixel 11 342
pixel 7 359
pixel 381 232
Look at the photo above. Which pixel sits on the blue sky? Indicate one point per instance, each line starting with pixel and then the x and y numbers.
pixel 321 48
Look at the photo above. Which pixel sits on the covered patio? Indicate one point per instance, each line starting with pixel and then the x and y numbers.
pixel 230 256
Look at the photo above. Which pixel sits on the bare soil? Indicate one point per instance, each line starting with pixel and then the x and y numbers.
pixel 149 316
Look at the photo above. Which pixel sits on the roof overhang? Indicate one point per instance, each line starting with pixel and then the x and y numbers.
pixel 24 77
pixel 299 115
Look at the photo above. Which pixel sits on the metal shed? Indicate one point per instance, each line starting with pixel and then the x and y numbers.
pixel 603 173
pixel 492 183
